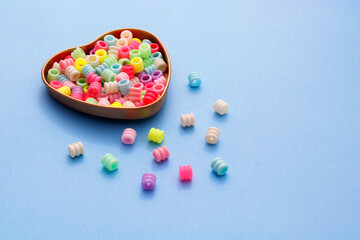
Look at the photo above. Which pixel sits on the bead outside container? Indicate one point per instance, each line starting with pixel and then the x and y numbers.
pixel 219 166
pixel 148 181
pixel 185 173
pixel 107 111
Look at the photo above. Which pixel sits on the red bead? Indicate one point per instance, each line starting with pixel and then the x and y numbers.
pixel 150 96
pixel 154 47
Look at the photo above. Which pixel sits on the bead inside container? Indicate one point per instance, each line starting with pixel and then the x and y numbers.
pixel 140 111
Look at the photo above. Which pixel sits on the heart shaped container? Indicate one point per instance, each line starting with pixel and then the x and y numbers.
pixel 106 111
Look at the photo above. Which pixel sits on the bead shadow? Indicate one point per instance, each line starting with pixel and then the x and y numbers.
pixel 194 90
pixel 186 130
pixel 212 148
pixel 219 180
pixel 219 118
pixel 159 166
pixel 184 184
pixel 107 174
pixel 75 160
pixel 145 194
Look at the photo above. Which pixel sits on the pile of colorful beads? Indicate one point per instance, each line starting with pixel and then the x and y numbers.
pixel 124 72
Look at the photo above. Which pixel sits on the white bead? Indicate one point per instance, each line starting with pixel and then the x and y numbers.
pixel 76 149
pixel 111 87
pixel 212 135
pixel 72 73
pixel 221 107
pixel 187 120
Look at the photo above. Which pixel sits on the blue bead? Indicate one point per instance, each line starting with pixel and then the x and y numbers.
pixel 156 55
pixel 87 69
pixel 62 78
pixel 110 40
pixel 194 79
pixel 146 41
pixel 124 86
pixel 99 69
pixel 150 69
pixel 116 68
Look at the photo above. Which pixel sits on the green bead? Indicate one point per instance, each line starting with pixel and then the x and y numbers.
pixel 78 53
pixel 108 75
pixel 145 50
pixel 143 92
pixel 110 60
pixel 147 62
pixel 81 82
pixel 109 162
pixel 53 74
pixel 124 61
pixel 91 100
pixel 219 166
pixel 135 53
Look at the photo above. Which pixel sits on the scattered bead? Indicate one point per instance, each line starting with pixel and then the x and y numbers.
pixel 219 166
pixel 129 136
pixel 185 172
pixel 194 79
pixel 148 181
pixel 161 153
pixel 212 135
pixel 221 107
pixel 187 120
pixel 156 135
pixel 76 149
pixel 110 162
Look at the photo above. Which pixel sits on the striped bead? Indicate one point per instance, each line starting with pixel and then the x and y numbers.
pixel 124 86
pixel 116 104
pixel 53 74
pixel 87 69
pixel 91 100
pixel 156 135
pixel 148 181
pixel 147 62
pixel 185 173
pixel 219 166
pixel 194 79
pixel 94 89
pixel 135 92
pixel 69 84
pixel 56 65
pixel 76 149
pixel 66 63
pixel 64 90
pixel 108 75
pixel 113 97
pixel 160 80
pixel 72 73
pixel 160 64
pixel 212 135
pixel 62 78
pixel 134 45
pixel 128 104
pixel 156 55
pixel 110 40
pixel 99 69
pixel 121 76
pixel 78 53
pixel 128 137
pixel 150 69
pixel 111 87
pixel 161 153
pixel 110 60
pixel 116 68
pixel 92 77
pixel 221 107
pixel 110 162
pixel 114 51
pixel 187 120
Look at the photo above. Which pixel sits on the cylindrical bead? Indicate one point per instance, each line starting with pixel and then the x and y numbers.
pixel 87 69
pixel 185 172
pixel 78 53
pixel 110 40
pixel 111 87
pixel 221 107
pixel 160 64
pixel 145 50
pixel 156 135
pixel 194 79
pixel 110 162
pixel 56 84
pixel 72 73
pixel 101 53
pixel 76 149
pixel 53 74
pixel 93 60
pixel 124 86
pixel 187 120
pixel 219 166
pixel 212 135
pixel 127 35
pixel 148 181
pixel 138 64
pixel 129 136
pixel 65 90
pixel 161 153
pixel 108 75
pixel 66 63
pixel 100 45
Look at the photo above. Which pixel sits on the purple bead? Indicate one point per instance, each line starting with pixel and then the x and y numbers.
pixel 156 74
pixel 77 89
pixel 92 52
pixel 140 74
pixel 148 181
pixel 145 79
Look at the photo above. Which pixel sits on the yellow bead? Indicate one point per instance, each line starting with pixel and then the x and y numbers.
pixel 116 104
pixel 156 135
pixel 85 89
pixel 65 90
pixel 136 39
pixel 138 64
pixel 80 63
pixel 102 54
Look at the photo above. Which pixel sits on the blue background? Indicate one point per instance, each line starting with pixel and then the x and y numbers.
pixel 290 72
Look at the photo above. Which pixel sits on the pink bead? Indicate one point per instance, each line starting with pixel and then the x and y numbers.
pixel 92 77
pixel 121 76
pixel 100 45
pixel 160 80
pixel 161 153
pixel 149 86
pixel 154 47
pixel 134 45
pixel 94 89
pixel 77 95
pixel 68 56
pixel 128 137
pixel 102 95
pixel 56 84
pixel 129 69
pixel 124 52
pixel 135 92
pixel 139 104
pixel 103 101
pixel 65 63
pixel 69 84
pixel 122 100
pixel 185 172
pixel 158 88
pixel 113 97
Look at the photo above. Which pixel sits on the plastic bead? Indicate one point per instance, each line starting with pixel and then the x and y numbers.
pixel 185 172
pixel 156 74
pixel 101 53
pixel 121 76
pixel 124 52
pixel 194 79
pixel 91 100
pixel 160 64
pixel 138 64
pixel 129 136
pixel 124 61
pixel 114 51
pixel 111 87
pixel 81 82
pixel 92 77
pixel 149 86
pixel 66 63
pixel 134 80
pixel 139 104
pixel 128 104
pixel 219 166
pixel 134 45
pixel 99 69
pixel 145 79
pixel 129 69
pixel 116 68
pixel 135 92
pixel 127 35
pixel 100 45
pixel 150 69
pixel 146 41
pixel 77 92
pixel 62 78
pixel 135 53
pixel 76 149
pixel 212 135
pixel 87 69
pixel 187 120
pixel 158 89
pixel 121 42
pixel 148 181
pixel 85 89
pixel 56 84
pixel 53 74
pixel 110 60
pixel 108 75
pixel 113 97
pixel 154 47
pixel 93 60
pixel 94 89
pixel 103 95
pixel 72 73
pixel 161 153
pixel 147 62
pixel 124 86
pixel 78 53
pixel 69 57
pixel 110 40
pixel 104 102
pixel 122 100
pixel 160 80
pixel 149 97
pixel 69 84
pixel 80 63
pixel 64 90
pixel 116 104
pixel 145 50
pixel 156 55
pixel 221 107
pixel 156 135
pixel 110 162
pixel 56 65
pixel 136 39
